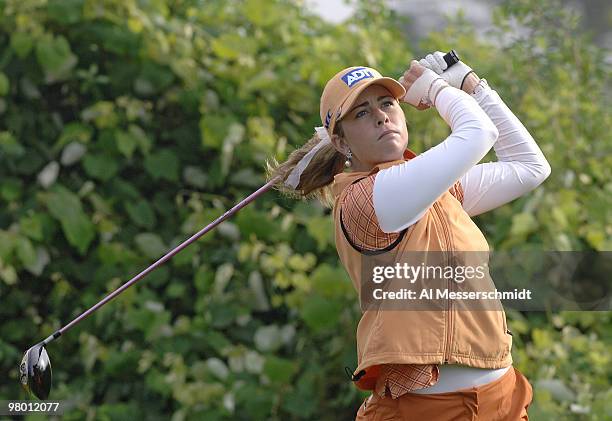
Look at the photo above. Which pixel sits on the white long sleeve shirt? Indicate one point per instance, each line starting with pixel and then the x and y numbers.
pixel 478 122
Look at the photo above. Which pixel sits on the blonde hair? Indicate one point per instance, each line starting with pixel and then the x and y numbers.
pixel 315 181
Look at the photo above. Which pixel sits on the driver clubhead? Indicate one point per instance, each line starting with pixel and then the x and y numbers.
pixel 35 372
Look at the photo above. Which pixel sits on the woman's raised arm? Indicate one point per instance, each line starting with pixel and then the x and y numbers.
pixel 403 193
pixel 521 165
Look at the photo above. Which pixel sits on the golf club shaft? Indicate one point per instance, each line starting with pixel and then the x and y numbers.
pixel 163 259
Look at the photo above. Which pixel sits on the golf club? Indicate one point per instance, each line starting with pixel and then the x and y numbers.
pixel 35 368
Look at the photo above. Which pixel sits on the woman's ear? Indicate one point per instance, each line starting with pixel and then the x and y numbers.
pixel 339 144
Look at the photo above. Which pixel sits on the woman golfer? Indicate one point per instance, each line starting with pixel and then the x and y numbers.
pixel 433 364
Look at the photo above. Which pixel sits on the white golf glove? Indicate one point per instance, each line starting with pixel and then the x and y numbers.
pixel 454 76
pixel 425 89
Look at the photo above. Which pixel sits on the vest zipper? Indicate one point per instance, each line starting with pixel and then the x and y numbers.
pixel 447 260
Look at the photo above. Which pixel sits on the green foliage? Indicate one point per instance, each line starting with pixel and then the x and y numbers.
pixel 127 126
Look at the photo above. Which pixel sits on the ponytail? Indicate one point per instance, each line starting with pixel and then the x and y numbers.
pixel 315 181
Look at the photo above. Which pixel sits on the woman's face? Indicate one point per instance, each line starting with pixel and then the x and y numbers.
pixel 374 112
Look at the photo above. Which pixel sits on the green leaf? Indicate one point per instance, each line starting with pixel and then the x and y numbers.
pixel 218 368
pixel 65 11
pixel 223 275
pixel 126 144
pixel 250 221
pixel 10 146
pixel 141 213
pixel 215 340
pixel 268 338
pixel 55 57
pixel 5 84
pixel 214 128
pixel 21 43
pixel 320 313
pixel 113 37
pixel 153 78
pixel 72 153
pixel 163 165
pixel 321 228
pixel 25 251
pixel 221 315
pixel 230 45
pixel 256 401
pixel 74 132
pixel 41 260
pixel 115 254
pixel 596 237
pixel 261 133
pixel 204 279
pixel 195 176
pixel 279 370
pixel 156 381
pixel 151 244
pixel 32 226
pixel 304 211
pixel 302 263
pixel 8 242
pixel 11 189
pixel 262 12
pixel 66 207
pixel 234 137
pixel 102 113
pixel 331 282
pixel 523 224
pixel 542 338
pixel 100 166
pixel 159 276
pixel 8 274
pixel 176 290
pixel 302 401
pixel 141 138
pixel 48 175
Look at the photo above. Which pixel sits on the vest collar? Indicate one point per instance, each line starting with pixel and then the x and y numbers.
pixel 343 179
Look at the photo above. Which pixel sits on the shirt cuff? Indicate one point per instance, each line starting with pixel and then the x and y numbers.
pixel 481 89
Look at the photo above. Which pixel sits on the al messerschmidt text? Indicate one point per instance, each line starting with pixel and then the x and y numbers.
pixel 428 294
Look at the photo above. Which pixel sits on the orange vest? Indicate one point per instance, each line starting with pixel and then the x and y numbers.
pixel 449 336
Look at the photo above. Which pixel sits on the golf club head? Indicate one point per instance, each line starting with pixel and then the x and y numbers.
pixel 35 372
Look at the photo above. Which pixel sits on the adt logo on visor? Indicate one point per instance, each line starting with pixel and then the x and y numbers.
pixel 356 75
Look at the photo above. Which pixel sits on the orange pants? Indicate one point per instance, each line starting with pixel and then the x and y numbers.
pixel 504 399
